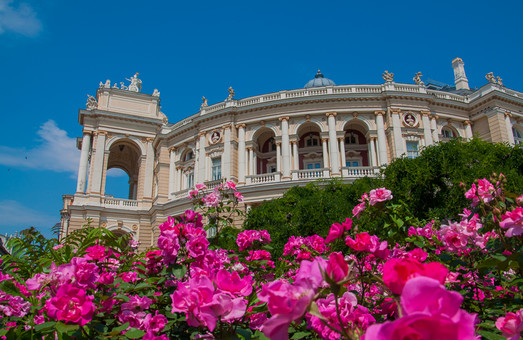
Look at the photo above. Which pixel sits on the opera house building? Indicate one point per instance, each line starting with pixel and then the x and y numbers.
pixel 268 143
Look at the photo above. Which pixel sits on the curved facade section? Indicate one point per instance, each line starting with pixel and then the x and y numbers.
pixel 266 143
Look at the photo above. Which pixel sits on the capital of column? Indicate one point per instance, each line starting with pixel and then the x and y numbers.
pixel 278 143
pixel 227 126
pixel 96 133
pixel 379 113
pixel 324 140
pixel 249 148
pixel 281 119
pixel 395 111
pixel 202 134
pixel 240 126
pixel 467 122
pixel 149 139
pixel 333 114
pixel 341 138
pixel 173 149
pixel 425 113
pixel 435 116
pixel 508 114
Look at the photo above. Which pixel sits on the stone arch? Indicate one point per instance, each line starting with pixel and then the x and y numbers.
pixel 310 146
pixel 448 131
pixel 355 142
pixel 132 139
pixel 125 154
pixel 121 230
pixel 297 128
pixel 266 156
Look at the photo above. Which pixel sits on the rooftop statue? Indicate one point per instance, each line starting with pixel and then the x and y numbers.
pixel 91 104
pixel 417 79
pixel 156 93
pixel 204 102
pixel 490 77
pixel 500 81
pixel 136 84
pixel 231 94
pixel 388 76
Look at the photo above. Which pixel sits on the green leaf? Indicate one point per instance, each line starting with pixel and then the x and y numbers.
pixel 491 336
pixel 9 288
pixel 66 328
pixel 179 271
pixel 300 335
pixel 45 326
pixel 134 333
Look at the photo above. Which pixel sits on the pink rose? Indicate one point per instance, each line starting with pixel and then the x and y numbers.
pixel 363 242
pixel 337 229
pixel 379 195
pixel 71 304
pixel 358 210
pixel 511 325
pixel 397 272
pixel 486 190
pixel 231 282
pixel 337 268
pixel 513 222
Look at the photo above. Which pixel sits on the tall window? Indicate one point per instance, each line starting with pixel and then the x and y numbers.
pixel 312 140
pixel 313 165
pixel 351 138
pixel 518 138
pixel 412 149
pixel 190 180
pixel 216 169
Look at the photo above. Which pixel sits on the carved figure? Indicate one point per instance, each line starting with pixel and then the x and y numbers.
pixel 101 85
pixel 136 84
pixel 215 137
pixel 91 104
pixel 122 86
pixel 156 93
pixel 500 81
pixel 417 79
pixel 388 76
pixel 204 102
pixel 115 86
pixel 231 93
pixel 107 84
pixel 490 77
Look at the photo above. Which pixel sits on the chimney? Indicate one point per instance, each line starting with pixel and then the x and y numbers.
pixel 460 78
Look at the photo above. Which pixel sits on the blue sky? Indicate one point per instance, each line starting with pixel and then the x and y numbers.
pixel 55 52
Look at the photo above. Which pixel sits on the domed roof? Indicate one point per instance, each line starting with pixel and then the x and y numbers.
pixel 319 81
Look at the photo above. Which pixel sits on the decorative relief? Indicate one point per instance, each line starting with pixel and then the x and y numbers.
pixel 215 137
pixel 388 76
pixel 91 104
pixel 204 102
pixel 135 227
pixel 417 79
pixel 410 119
pixel 103 225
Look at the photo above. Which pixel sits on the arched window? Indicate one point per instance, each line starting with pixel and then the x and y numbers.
pixel 447 132
pixel 351 138
pixel 312 140
pixel 518 136
pixel 188 156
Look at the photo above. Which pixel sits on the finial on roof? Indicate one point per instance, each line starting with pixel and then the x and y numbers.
pixel 318 74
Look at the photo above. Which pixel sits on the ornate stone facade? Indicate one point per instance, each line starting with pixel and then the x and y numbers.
pixel 267 143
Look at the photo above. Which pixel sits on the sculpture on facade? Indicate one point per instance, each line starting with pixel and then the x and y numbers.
pixel 417 79
pixel 107 84
pixel 490 77
pixel 204 102
pixel 500 81
pixel 231 94
pixel 156 93
pixel 122 86
pixel 388 76
pixel 136 84
pixel 91 104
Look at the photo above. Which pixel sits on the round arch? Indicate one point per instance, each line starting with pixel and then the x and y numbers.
pixel 122 230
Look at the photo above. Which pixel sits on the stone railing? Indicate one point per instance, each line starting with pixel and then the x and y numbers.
pixel 180 194
pixel 310 173
pixel 213 184
pixel 263 178
pixel 359 171
pixel 110 202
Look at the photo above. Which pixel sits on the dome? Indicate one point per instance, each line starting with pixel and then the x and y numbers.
pixel 319 81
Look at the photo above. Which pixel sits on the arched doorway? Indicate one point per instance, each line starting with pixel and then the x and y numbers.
pixel 124 154
pixel 266 156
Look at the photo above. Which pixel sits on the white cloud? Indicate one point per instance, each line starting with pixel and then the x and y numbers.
pixel 19 19
pixel 17 216
pixel 56 152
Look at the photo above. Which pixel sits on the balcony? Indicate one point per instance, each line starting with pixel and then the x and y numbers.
pixel 359 171
pixel 263 178
pixel 120 203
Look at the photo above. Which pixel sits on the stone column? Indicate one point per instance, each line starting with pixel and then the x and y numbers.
pixel 241 153
pixel 149 168
pixel 342 151
pixel 97 167
pixel 278 156
pixel 172 171
pixel 325 153
pixel 434 128
pixel 468 129
pixel 196 171
pixel 510 133
pixel 84 160
pixel 333 147
pixel 251 161
pixel 426 128
pixel 373 158
pixel 202 160
pixel 286 159
pixel 396 129
pixel 296 155
pixel 226 157
pixel 177 181
pixel 382 139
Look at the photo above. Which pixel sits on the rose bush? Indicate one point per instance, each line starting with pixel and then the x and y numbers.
pixel 408 279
